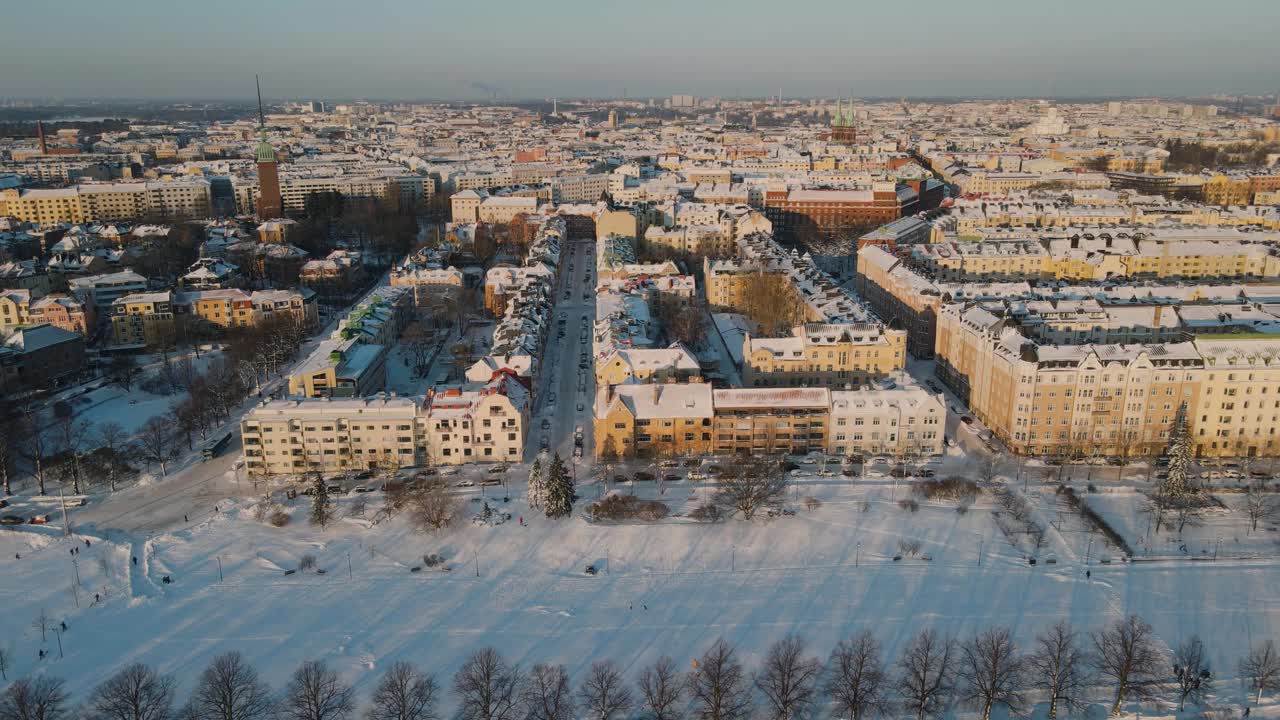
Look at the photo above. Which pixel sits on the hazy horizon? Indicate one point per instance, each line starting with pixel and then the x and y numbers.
pixel 391 49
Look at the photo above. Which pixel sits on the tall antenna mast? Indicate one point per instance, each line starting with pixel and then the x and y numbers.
pixel 262 120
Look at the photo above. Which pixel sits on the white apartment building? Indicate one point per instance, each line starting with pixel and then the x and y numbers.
pixel 487 424
pixel 908 421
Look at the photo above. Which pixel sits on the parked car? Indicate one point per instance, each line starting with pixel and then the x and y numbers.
pixel 360 489
pixel 11 520
pixel 643 476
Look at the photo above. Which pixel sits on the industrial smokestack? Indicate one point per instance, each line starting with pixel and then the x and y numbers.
pixel 44 146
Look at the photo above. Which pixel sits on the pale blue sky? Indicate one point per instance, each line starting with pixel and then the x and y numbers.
pixel 545 48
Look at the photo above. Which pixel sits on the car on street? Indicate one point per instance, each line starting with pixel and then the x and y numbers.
pixel 546 423
pixel 11 520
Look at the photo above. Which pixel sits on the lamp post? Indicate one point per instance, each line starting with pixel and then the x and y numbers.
pixel 982 539
pixel 857 557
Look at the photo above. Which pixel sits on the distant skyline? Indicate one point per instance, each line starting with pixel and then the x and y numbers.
pixel 395 49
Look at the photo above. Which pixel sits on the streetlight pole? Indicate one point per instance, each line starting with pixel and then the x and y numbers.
pixel 733 559
pixel 219 568
pixel 857 554
pixel 1088 555
pixel 982 539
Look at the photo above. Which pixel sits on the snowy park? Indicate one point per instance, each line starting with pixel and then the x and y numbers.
pixel 839 555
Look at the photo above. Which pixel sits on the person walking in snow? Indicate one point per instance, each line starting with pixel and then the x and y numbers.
pixel 86 543
pixel 64 626
pixel 135 559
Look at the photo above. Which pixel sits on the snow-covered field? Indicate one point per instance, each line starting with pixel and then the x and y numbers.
pixel 671 587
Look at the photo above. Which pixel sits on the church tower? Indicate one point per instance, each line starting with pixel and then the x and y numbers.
pixel 844 126
pixel 270 205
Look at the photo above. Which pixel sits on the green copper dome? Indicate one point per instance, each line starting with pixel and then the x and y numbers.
pixel 265 152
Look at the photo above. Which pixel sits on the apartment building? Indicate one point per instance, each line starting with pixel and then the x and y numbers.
pixel 653 420
pixel 675 363
pixel 1065 400
pixel 15 310
pixel 100 202
pixel 503 209
pixel 824 354
pixel 478 424
pixel 771 421
pixel 285 437
pixel 142 320
pixel 41 355
pixel 1237 412
pixel 832 212
pixel 66 312
pixel 905 422
pixel 103 290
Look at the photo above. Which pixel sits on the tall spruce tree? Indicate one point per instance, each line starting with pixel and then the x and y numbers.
pixel 559 490
pixel 537 485
pixel 321 508
pixel 1177 485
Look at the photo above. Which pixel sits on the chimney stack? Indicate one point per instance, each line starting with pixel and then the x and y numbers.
pixel 44 146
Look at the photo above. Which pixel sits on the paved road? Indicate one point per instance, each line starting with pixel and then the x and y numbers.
pixel 189 493
pixel 560 377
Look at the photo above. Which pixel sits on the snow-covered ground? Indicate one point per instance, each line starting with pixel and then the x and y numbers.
pixel 671 587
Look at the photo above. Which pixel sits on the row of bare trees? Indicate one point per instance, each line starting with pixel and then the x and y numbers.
pixel 933 674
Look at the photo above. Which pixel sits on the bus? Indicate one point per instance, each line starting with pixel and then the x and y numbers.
pixel 212 449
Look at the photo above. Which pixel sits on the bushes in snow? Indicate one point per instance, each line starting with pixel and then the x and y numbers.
pixel 628 507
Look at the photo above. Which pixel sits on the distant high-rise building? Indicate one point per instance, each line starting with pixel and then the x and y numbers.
pixel 317 106
pixel 613 119
pixel 683 101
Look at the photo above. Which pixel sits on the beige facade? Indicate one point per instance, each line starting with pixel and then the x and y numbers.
pixel 822 354
pixel 185 198
pixel 653 420
pixel 1065 400
pixel 284 437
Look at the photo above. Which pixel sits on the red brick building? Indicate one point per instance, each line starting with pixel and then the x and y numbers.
pixel 799 214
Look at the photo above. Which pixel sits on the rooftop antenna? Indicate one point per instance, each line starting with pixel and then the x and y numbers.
pixel 262 120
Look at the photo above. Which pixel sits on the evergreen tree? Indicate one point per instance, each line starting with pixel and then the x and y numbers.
pixel 559 490
pixel 537 486
pixel 321 509
pixel 1176 485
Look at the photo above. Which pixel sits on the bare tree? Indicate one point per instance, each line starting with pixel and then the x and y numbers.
pixel 1058 668
pixel 33 444
pixel 718 685
pixel 988 468
pixel 404 693
pixel 43 623
pixel 750 483
pixel 1260 505
pixel 229 689
pixel 4 663
pixel 1191 672
pixel 1126 653
pixel 991 672
pixel 789 679
pixel 487 687
pixel 433 509
pixel 135 693
pixel 156 441
pixel 604 694
pixel 317 693
pixel 928 673
pixel 1261 669
pixel 547 695
pixel 662 688
pixel 856 677
pixel 34 698
pixel 114 447
pixel 8 453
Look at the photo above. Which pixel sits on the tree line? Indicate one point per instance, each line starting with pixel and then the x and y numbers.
pixel 59 446
pixel 933 674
